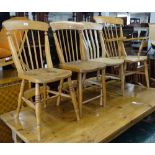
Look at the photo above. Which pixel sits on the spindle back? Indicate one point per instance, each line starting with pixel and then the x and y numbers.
pixel 67 40
pixel 93 40
pixel 113 35
pixel 33 52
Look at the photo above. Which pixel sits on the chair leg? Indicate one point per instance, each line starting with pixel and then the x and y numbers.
pixel 37 109
pixel 20 98
pixel 122 76
pixel 146 74
pixel 80 93
pixel 98 75
pixel 103 88
pixel 125 68
pixel 73 97
pixel 45 95
pixel 60 91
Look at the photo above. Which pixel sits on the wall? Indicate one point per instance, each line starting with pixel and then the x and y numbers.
pixel 143 16
pixel 152 20
pixel 152 17
pixel 59 16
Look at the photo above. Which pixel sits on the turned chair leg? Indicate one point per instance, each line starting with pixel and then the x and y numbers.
pixel 45 95
pixel 60 91
pixel 80 93
pixel 20 98
pixel 73 97
pixel 103 88
pixel 125 68
pixel 122 76
pixel 38 109
pixel 146 74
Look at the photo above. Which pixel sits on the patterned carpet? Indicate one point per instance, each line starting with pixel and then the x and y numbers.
pixel 142 132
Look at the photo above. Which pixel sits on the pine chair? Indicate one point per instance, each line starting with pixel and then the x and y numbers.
pixel 68 41
pixel 114 43
pixel 96 51
pixel 32 59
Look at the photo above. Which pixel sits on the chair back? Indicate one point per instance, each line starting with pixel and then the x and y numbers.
pixel 4 45
pixel 93 41
pixel 33 50
pixel 113 35
pixel 67 40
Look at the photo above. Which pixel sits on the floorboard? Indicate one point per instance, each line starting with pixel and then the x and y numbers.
pixel 98 124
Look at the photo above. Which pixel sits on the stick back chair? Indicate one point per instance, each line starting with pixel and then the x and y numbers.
pixel 96 49
pixel 32 59
pixel 114 43
pixel 71 54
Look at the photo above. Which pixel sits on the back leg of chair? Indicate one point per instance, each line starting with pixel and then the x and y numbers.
pixel 122 77
pixel 80 93
pixel 146 73
pixel 45 94
pixel 103 88
pixel 73 97
pixel 125 70
pixel 38 109
pixel 20 98
pixel 60 91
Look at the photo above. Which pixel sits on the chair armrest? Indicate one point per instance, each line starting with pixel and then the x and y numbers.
pixel 140 38
pixel 115 39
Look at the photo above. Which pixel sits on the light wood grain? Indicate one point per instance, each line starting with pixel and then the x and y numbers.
pixel 107 19
pixel 97 125
pixel 25 24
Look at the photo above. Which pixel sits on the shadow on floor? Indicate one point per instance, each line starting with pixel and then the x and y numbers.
pixel 142 132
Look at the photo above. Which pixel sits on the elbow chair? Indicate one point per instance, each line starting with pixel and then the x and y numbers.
pixel 112 29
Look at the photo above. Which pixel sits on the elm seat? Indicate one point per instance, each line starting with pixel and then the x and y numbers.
pixel 45 75
pixel 109 61
pixel 82 66
pixel 135 58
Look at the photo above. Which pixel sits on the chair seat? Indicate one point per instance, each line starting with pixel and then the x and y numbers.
pixel 109 61
pixel 135 58
pixel 83 66
pixel 45 75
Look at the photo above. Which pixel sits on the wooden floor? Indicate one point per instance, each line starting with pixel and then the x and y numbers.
pixel 97 125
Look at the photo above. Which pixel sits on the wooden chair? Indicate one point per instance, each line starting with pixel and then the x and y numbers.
pixel 114 43
pixel 68 41
pixel 32 59
pixel 96 51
